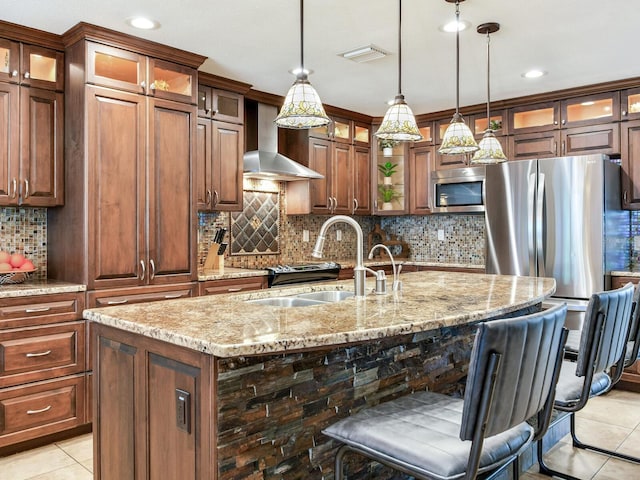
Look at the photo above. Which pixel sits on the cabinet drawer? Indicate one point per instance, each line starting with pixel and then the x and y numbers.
pixel 41 409
pixel 39 353
pixel 42 309
pixel 127 296
pixel 215 287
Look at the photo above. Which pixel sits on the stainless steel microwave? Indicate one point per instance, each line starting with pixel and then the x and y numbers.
pixel 458 190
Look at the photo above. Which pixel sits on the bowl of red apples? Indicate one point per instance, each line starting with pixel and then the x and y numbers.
pixel 14 268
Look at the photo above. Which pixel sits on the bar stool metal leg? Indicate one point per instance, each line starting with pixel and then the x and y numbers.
pixel 545 470
pixel 578 444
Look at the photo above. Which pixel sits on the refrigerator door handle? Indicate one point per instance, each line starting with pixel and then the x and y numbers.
pixel 540 226
pixel 531 197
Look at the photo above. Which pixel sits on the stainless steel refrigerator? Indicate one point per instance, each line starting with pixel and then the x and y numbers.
pixel 560 218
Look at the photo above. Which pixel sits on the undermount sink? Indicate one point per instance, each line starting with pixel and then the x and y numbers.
pixel 327 296
pixel 304 299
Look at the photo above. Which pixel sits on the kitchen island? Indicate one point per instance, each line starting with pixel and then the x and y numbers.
pixel 221 388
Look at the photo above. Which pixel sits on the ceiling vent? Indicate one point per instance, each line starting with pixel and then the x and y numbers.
pixel 364 54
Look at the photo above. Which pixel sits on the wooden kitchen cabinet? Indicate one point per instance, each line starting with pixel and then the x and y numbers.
pixel 420 164
pixel 31 120
pixel 361 180
pixel 131 219
pixel 630 104
pixel 397 203
pixel 219 165
pixel 537 117
pixel 122 69
pixel 170 388
pixel 601 138
pixel 42 366
pixel 534 145
pixel 590 110
pixel 130 295
pixel 630 161
pixel 220 105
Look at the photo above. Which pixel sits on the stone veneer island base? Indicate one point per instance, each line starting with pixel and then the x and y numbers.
pixel 216 388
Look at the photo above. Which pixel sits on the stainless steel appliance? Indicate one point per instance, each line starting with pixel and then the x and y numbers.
pixel 560 218
pixel 458 190
pixel 313 272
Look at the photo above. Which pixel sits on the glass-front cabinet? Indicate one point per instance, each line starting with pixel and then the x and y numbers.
pixel 534 118
pixel 478 123
pixel 31 65
pixel 591 109
pixel 630 104
pixel 220 105
pixel 391 196
pixel 361 134
pixel 124 70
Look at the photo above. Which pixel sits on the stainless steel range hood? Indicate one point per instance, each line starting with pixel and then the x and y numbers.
pixel 266 163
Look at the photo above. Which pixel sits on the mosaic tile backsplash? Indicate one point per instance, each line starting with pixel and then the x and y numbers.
pixel 24 230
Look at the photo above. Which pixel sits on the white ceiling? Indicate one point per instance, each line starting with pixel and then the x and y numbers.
pixel 578 42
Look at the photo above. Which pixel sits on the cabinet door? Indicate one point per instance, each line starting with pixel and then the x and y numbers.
pixel 534 118
pixel 592 139
pixel 420 159
pixel 172 81
pixel 171 217
pixel 202 178
pixel 116 176
pixel 116 68
pixel 42 68
pixel 590 110
pixel 630 156
pixel 227 165
pixel 361 181
pixel 361 134
pixel 342 131
pixel 630 104
pixel 342 178
pixel 9 61
pixel 534 145
pixel 41 161
pixel 9 144
pixel 227 106
pixel 478 123
pixel 320 161
pixel 444 162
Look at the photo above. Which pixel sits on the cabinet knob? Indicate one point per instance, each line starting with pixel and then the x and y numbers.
pixel 143 84
pixel 14 73
pixel 624 113
pixel 555 122
pixel 564 122
pixel 27 75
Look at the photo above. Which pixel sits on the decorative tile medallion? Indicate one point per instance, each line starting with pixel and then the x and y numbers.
pixel 256 229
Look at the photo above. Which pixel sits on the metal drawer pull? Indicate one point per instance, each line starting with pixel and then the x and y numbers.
pixel 37 310
pixel 117 302
pixel 41 354
pixel 31 412
pixel 175 295
pixel 238 289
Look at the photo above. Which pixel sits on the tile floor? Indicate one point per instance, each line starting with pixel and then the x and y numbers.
pixel 613 421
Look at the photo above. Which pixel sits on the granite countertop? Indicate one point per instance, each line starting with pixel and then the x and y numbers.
pixel 229 273
pixel 39 287
pixel 227 326
pixel 622 273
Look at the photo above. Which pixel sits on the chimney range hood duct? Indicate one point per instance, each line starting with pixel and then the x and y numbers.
pixel 266 163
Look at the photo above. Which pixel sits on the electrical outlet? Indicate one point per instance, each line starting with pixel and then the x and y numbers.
pixel 339 235
pixel 441 235
pixel 305 235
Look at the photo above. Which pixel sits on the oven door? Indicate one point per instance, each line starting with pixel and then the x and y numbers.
pixel 459 190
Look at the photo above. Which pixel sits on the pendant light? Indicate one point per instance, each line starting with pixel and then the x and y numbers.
pixel 490 149
pixel 399 123
pixel 302 106
pixel 457 139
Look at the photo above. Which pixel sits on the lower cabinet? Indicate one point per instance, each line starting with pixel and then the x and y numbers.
pixel 152 408
pixel 42 367
pixel 232 285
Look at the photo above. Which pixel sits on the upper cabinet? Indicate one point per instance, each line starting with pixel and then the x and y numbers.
pixel 220 105
pixel 534 118
pixel 122 69
pixel 630 103
pixel 32 122
pixel 31 65
pixel 590 110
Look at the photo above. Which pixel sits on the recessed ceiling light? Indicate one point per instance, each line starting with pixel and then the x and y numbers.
pixel 534 74
pixel 452 26
pixel 143 23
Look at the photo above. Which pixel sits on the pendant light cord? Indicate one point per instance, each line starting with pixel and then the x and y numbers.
pixel 302 37
pixel 457 57
pixel 400 48
pixel 488 80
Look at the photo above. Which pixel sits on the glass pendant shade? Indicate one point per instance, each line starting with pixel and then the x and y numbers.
pixel 302 107
pixel 458 138
pixel 490 150
pixel 399 123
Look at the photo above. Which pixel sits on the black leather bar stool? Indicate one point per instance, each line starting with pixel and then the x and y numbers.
pixel 514 367
pixel 603 343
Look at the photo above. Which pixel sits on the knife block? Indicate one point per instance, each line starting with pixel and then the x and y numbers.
pixel 214 262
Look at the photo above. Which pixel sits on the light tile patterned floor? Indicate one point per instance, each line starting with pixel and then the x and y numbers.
pixel 611 421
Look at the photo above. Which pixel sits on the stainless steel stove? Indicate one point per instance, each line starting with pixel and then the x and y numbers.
pixel 312 272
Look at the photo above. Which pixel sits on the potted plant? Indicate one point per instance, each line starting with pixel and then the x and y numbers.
pixel 387 169
pixel 495 125
pixel 387 146
pixel 388 193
